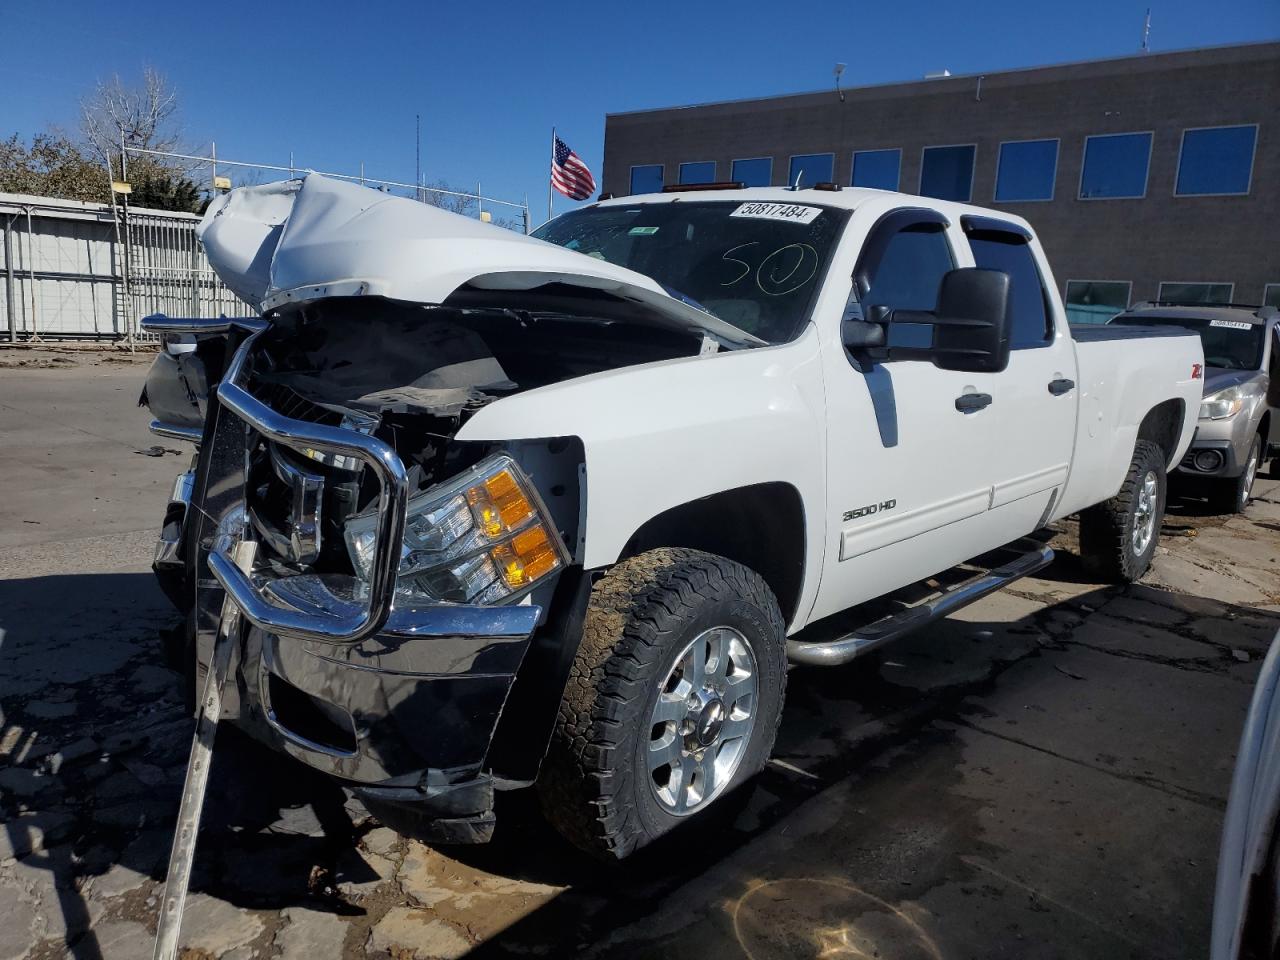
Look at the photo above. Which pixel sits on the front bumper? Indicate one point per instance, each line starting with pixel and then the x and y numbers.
pixel 405 720
pixel 399 703
pixel 1210 458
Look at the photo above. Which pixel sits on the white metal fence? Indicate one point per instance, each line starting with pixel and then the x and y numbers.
pixel 64 264
pixel 75 269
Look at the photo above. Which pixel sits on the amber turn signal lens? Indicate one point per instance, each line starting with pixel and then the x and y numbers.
pixel 499 504
pixel 528 556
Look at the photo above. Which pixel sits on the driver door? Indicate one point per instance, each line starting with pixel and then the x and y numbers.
pixel 909 470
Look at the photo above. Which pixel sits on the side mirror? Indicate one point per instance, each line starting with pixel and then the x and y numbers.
pixel 974 321
pixel 971 324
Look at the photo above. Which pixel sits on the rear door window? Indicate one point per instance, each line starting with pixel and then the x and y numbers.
pixel 1011 253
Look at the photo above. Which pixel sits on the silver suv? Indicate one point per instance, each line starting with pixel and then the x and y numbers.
pixel 1239 425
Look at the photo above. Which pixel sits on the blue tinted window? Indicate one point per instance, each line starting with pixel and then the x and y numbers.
pixel 947 173
pixel 907 277
pixel 703 172
pixel 811 168
pixel 753 173
pixel 647 179
pixel 1115 166
pixel 1026 170
pixel 1095 301
pixel 1216 161
pixel 876 168
pixel 1012 254
pixel 1196 292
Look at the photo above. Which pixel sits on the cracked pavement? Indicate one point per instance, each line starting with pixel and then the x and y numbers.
pixel 1041 775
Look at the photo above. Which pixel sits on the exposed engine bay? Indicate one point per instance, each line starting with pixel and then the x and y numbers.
pixel 412 375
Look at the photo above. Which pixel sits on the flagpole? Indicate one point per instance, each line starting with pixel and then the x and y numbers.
pixel 550 187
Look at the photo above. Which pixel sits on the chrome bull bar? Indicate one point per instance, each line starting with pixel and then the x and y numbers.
pixel 331 626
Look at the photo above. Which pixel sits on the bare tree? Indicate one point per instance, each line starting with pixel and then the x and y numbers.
pixel 449 200
pixel 145 116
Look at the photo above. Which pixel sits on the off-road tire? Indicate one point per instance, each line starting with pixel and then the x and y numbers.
pixel 1106 529
pixel 594 787
pixel 1232 495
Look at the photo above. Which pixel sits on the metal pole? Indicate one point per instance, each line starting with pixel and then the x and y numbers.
pixel 31 273
pixel 128 244
pixel 362 173
pixel 479 202
pixel 417 157
pixel 8 278
pixel 550 187
pixel 195 272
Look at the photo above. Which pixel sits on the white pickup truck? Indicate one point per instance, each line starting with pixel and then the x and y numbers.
pixel 559 510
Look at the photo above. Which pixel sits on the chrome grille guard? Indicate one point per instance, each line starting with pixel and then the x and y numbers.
pixel 334 626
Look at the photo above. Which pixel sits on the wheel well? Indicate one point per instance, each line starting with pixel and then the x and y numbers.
pixel 760 526
pixel 1163 426
pixel 1264 431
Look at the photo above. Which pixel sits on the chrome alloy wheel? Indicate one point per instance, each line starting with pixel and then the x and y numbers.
pixel 1144 518
pixel 702 722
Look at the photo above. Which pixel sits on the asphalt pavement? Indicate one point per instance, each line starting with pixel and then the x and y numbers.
pixel 1042 775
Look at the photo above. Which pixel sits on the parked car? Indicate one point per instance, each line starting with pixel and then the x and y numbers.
pixel 558 510
pixel 1239 421
pixel 1246 903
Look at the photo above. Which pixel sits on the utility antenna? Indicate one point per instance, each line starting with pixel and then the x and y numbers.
pixel 417 156
pixel 1146 33
pixel 839 71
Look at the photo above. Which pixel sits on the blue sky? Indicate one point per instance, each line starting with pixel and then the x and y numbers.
pixel 338 83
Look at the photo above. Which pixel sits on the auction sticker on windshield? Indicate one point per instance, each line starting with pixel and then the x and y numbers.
pixel 788 212
pixel 1231 324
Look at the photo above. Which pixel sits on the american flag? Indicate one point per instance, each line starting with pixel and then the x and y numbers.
pixel 569 174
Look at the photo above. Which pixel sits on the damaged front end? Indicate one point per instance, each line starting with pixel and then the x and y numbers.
pixel 400 574
pixel 414 603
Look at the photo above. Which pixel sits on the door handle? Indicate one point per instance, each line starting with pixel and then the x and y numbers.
pixel 972 402
pixel 1059 387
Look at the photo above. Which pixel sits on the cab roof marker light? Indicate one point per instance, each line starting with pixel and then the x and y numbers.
pixel 698 187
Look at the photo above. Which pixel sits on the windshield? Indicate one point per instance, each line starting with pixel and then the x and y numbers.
pixel 755 265
pixel 1230 344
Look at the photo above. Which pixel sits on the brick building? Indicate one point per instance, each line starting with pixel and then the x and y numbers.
pixel 1148 176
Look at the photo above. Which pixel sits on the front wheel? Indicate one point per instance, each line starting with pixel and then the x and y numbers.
pixel 1118 537
pixel 673 700
pixel 1233 495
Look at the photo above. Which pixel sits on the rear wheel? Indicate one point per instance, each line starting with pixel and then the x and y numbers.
pixel 1233 495
pixel 1118 537
pixel 673 700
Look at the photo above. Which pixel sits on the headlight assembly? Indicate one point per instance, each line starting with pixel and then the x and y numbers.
pixel 482 538
pixel 1223 404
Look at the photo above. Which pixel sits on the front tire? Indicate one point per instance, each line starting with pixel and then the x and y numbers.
pixel 673 700
pixel 1233 495
pixel 1118 537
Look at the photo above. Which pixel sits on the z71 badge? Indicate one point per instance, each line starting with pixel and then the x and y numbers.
pixel 870 509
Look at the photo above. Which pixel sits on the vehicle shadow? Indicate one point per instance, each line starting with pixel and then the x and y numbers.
pixel 839 723
pixel 94 742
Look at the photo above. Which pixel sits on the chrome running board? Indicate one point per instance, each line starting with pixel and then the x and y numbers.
pixel 829 653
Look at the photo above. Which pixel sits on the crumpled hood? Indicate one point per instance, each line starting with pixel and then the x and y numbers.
pixel 318 237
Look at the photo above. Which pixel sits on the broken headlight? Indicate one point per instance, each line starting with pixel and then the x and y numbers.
pixel 482 538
